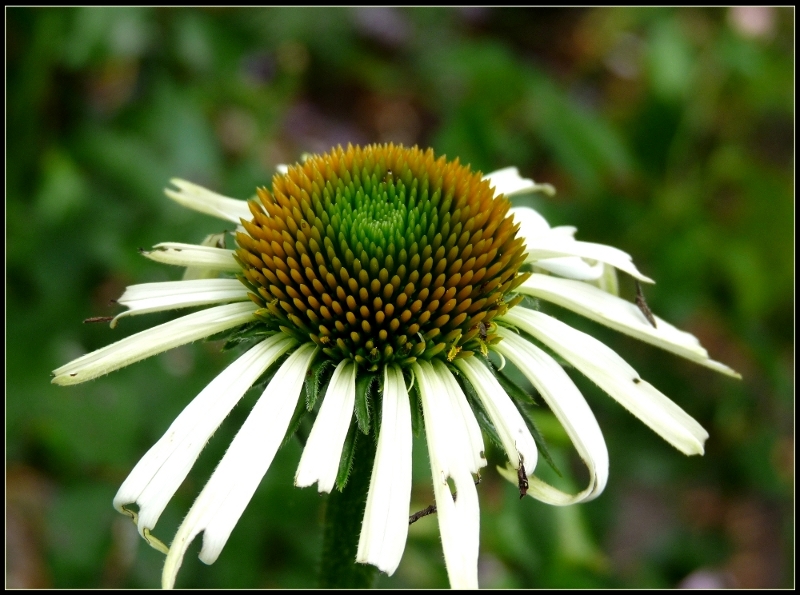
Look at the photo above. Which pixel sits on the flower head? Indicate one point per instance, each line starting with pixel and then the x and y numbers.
pixel 381 256
pixel 387 277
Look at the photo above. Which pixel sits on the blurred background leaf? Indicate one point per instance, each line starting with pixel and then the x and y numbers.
pixel 668 132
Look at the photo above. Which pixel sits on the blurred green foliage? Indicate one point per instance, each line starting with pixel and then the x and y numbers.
pixel 668 133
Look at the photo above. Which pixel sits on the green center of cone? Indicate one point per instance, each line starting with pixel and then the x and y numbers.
pixel 382 254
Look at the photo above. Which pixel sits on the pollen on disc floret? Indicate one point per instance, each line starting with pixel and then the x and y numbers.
pixel 382 254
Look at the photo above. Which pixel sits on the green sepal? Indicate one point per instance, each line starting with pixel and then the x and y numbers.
pixel 266 377
pixel 476 404
pixel 531 339
pixel 316 382
pixel 377 407
pixel 245 334
pixel 538 438
pixel 523 401
pixel 227 334
pixel 511 388
pixel 245 281
pixel 416 403
pixel 365 383
pixel 346 460
pixel 300 412
pixel 531 303
pixel 557 357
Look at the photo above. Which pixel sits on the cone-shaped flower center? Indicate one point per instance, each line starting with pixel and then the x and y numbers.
pixel 382 254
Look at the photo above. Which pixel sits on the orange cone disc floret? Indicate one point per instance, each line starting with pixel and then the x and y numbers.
pixel 382 254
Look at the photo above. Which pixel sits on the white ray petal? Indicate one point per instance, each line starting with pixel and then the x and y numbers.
pixel 620 315
pixel 564 231
pixel 153 341
pixel 442 437
pixel 570 408
pixel 214 240
pixel 544 244
pixel 160 472
pixel 531 222
pixel 385 527
pixel 192 255
pixel 320 459
pixel 171 295
pixel 465 418
pixel 535 228
pixel 611 373
pixel 221 503
pixel 572 267
pixel 511 428
pixel 608 281
pixel 552 246
pixel 508 181
pixel 448 449
pixel 205 201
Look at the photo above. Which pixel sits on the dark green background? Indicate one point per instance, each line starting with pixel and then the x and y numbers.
pixel 668 133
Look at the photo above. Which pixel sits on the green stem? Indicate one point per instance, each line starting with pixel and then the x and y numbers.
pixel 343 515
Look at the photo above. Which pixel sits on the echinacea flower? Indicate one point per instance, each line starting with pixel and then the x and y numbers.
pixel 383 278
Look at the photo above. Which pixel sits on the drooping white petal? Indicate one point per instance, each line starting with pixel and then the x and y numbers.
pixel 214 240
pixel 508 181
pixel 569 407
pixel 160 472
pixel 511 428
pixel 233 483
pixel 535 228
pixel 448 449
pixel 608 281
pixel 620 315
pixel 572 267
pixel 531 222
pixel 545 244
pixel 191 255
pixel 564 231
pixel 532 225
pixel 205 201
pixel 611 373
pixel 282 169
pixel 385 527
pixel 323 450
pixel 153 341
pixel 171 295
pixel 465 417
pixel 552 246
